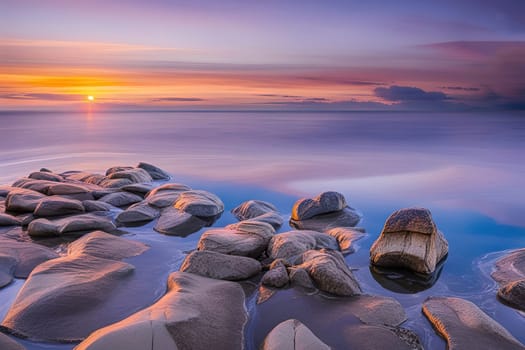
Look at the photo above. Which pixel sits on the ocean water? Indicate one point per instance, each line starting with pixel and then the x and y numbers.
pixel 468 169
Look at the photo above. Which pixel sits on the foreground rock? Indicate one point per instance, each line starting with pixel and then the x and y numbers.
pixel 73 225
pixel 121 199
pixel 259 211
pixel 465 326
pixel 199 203
pixel 176 222
pixel 195 313
pixel 7 343
pixel 345 237
pixel 220 266
pixel 138 213
pixel 410 239
pixel 9 220
pixel 292 335
pixel 58 206
pixel 510 274
pixel 326 211
pixel 166 195
pixel 63 298
pixel 22 200
pixel 290 245
pixel 277 275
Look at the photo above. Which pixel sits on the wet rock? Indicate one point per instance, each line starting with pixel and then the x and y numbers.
pixel 291 245
pixel 116 169
pixel 163 199
pixel 195 313
pixel 115 183
pixel 26 255
pixel 299 277
pixel 260 211
pixel 330 273
pixel 371 337
pixel 81 176
pixel 63 299
pixel 220 266
pixel 69 189
pixel 22 200
pixel 9 220
pixel 76 224
pixel 410 239
pixel 7 343
pixel 324 203
pixel 135 175
pixel 199 203
pixel 376 310
pixel 155 172
pixel 292 335
pixel 175 187
pixel 46 175
pixel 121 199
pixel 510 274
pixel 137 213
pixel 247 238
pixel 5 189
pixel 140 189
pixel 57 206
pixel 90 206
pixel 465 326
pixel 175 222
pixel 346 217
pixel 277 276
pixel 345 237
pixel 7 267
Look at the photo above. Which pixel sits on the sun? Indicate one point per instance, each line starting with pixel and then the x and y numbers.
pixel 91 98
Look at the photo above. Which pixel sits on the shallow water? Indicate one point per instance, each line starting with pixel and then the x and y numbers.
pixel 468 169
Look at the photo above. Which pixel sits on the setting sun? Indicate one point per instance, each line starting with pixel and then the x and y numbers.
pixel 91 98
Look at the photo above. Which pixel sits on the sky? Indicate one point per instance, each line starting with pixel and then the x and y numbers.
pixel 272 54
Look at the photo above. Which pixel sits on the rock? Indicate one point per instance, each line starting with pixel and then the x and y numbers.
pixel 324 203
pixel 137 213
pixel 195 313
pixel 163 199
pixel 76 224
pixel 26 255
pixel 398 246
pixel 22 200
pixel 121 199
pixel 220 266
pixel 9 220
pixel 115 183
pixel 299 277
pixel 57 206
pixel 465 326
pixel 291 335
pixel 247 238
pixel 7 343
pixel 376 310
pixel 175 187
pixel 510 274
pixel 371 337
pixel 90 206
pixel 7 267
pixel 346 217
pixel 291 245
pixel 4 190
pixel 89 178
pixel 62 189
pixel 330 273
pixel 277 276
pixel 63 299
pixel 345 237
pixel 140 189
pixel 117 169
pixel 134 175
pixel 175 222
pixel 200 203
pixel 260 211
pixel 45 175
pixel 155 172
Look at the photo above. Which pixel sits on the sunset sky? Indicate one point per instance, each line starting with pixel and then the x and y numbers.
pixel 272 54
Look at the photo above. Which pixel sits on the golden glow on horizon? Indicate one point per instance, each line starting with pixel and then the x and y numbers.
pixel 91 98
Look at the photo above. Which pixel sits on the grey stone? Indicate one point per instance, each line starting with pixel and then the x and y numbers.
pixel 155 172
pixel 118 168
pixel 513 294
pixel 9 220
pixel 260 211
pixel 22 200
pixel 200 203
pixel 175 187
pixel 324 203
pixel 163 199
pixel 121 199
pixel 139 212
pixel 7 343
pixel 114 183
pixel 372 337
pixel 510 274
pixel 76 224
pixel 57 206
pixel 140 189
pixel 292 335
pixel 26 255
pixel 292 244
pixel 135 175
pixel 220 266
pixel 345 237
pixel 7 267
pixel 45 175
pixel 345 217
pixel 178 223
pixel 277 276
pixel 299 277
pixel 91 205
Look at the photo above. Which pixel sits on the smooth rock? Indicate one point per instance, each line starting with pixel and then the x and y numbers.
pixel 22 200
pixel 175 187
pixel 330 273
pixel 44 175
pixel 277 276
pixel 121 199
pixel 104 245
pixel 116 169
pixel 7 343
pixel 299 277
pixel 292 244
pixel 76 224
pixel 378 310
pixel 199 203
pixel 324 203
pixel 195 313
pixel 7 267
pixel 81 176
pixel 259 210
pixel 135 175
pixel 5 189
pixel 114 183
pixel 63 188
pixel 398 246
pixel 220 266
pixel 140 189
pixel 163 199
pixel 155 172
pixel 345 237
pixel 372 337
pixel 91 205
pixel 292 335
pixel 57 206
pixel 348 217
pixel 175 222
pixel 137 213
pixel 9 220
pixel 513 294
pixel 26 255
pixel 465 326
pixel 510 274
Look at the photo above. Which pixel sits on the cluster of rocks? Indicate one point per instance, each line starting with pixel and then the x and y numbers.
pixel 510 274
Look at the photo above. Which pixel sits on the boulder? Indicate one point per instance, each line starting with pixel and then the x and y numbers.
pixel 5 189
pixel 26 256
pixel 135 175
pixel 138 213
pixel 7 343
pixel 345 237
pixel 121 199
pixel 114 183
pixel 63 298
pixel 175 222
pixel 277 275
pixel 140 189
pixel 292 335
pixel 118 168
pixel 260 211
pixel 220 266
pixel 372 337
pixel 155 172
pixel 7 267
pixel 58 206
pixel 247 238
pixel 299 277
pixel 44 175
pixel 175 187
pixel 91 205
pixel 62 189
pixel 326 202
pixel 292 244
pixel 195 313
pixel 330 273
pixel 411 240
pixel 76 224
pixel 22 200
pixel 163 199
pixel 510 274
pixel 465 326
pixel 9 220
pixel 348 217
pixel 199 203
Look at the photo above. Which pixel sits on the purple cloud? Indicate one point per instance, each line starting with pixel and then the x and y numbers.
pixel 397 93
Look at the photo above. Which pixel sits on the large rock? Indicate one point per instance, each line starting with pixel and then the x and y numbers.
pixel 195 313
pixel 200 203
pixel 76 224
pixel 44 175
pixel 22 200
pixel 176 187
pixel 345 237
pixel 324 203
pixel 348 217
pixel 135 175
pixel 175 222
pixel 330 273
pixel 25 255
pixel 260 211
pixel 292 335
pixel 7 343
pixel 465 326
pixel 91 205
pixel 140 189
pixel 410 239
pixel 155 172
pixel 58 206
pixel 276 276
pixel 63 298
pixel 247 238
pixel 166 195
pixel 7 267
pixel 510 274
pixel 138 213
pixel 292 244
pixel 121 199
pixel 220 266
pixel 9 220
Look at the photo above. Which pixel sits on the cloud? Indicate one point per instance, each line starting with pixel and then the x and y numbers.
pixel 397 93
pixel 177 99
pixel 42 96
pixel 277 95
pixel 460 88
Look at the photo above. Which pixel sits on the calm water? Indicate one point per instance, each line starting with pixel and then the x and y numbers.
pixel 468 169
